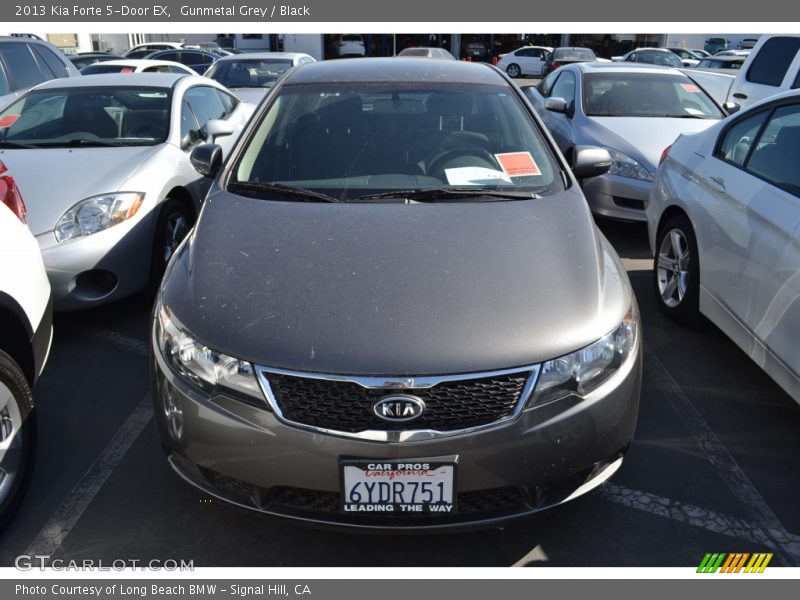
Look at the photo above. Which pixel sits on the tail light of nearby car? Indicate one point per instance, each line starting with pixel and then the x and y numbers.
pixel 554 66
pixel 10 196
pixel 664 154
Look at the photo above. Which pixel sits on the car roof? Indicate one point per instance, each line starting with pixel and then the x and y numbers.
pixel 615 67
pixel 264 55
pixel 397 68
pixel 727 58
pixel 162 80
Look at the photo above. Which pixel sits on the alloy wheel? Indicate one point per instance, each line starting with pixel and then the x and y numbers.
pixel 11 442
pixel 673 264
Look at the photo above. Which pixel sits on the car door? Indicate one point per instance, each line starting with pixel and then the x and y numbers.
pixel 768 71
pixel 749 248
pixel 560 124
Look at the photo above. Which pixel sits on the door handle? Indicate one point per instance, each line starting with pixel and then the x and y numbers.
pixel 717 184
pixel 740 96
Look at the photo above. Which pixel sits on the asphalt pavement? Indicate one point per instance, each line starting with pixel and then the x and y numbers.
pixel 714 467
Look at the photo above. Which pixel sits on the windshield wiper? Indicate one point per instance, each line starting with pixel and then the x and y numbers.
pixel 283 190
pixel 80 142
pixel 452 194
pixel 10 144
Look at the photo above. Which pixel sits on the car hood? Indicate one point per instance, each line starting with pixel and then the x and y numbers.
pixel 51 180
pixel 396 289
pixel 647 135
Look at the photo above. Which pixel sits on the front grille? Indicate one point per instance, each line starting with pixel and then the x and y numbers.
pixel 348 407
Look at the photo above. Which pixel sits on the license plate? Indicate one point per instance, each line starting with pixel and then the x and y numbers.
pixel 398 487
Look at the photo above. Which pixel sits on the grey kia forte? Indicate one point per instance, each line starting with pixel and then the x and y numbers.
pixel 395 310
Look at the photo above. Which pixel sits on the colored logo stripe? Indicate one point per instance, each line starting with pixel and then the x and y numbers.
pixel 734 562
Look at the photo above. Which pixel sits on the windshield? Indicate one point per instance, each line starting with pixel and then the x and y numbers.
pixel 645 95
pixel 249 72
pixel 129 116
pixel 710 63
pixel 573 54
pixel 667 59
pixel 415 52
pixel 353 140
pixel 100 68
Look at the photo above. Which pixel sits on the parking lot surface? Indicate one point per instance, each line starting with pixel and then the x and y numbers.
pixel 714 467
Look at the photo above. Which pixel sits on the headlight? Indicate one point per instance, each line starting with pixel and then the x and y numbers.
pixel 585 370
pixel 625 166
pixel 96 214
pixel 208 369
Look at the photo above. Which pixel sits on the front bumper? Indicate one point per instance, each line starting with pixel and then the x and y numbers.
pixel 617 197
pixel 98 268
pixel 245 455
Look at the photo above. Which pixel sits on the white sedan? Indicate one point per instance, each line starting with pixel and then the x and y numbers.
pixel 137 65
pixel 105 165
pixel 528 60
pixel 724 225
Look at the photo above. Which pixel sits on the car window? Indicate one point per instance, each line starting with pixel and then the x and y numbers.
pixel 565 88
pixel 4 87
pixel 249 72
pixel 739 139
pixel 775 156
pixel 188 120
pixel 130 116
pixel 306 59
pixel 796 83
pixel 229 103
pixel 354 139
pixel 173 56
pixel 547 83
pixel 772 61
pixel 205 103
pixel 157 69
pixel 25 70
pixel 655 94
pixel 174 69
pixel 58 68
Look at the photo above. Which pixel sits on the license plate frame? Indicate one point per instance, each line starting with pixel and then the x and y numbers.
pixel 443 469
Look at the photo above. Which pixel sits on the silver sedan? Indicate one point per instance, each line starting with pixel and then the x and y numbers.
pixel 104 162
pixel 635 111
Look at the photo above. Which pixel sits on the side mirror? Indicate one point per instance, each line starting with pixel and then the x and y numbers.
pixel 590 161
pixel 217 128
pixel 207 159
pixel 556 105
pixel 732 107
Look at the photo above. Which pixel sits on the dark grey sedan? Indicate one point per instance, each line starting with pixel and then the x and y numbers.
pixel 395 310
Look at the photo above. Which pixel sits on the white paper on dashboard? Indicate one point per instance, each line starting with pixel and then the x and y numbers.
pixel 475 176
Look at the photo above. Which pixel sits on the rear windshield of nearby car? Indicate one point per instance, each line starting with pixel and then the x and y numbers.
pixel 772 61
pixel 646 95
pixel 710 63
pixel 667 59
pixel 573 54
pixel 414 52
pixel 350 140
pixel 249 72
pixel 99 68
pixel 103 116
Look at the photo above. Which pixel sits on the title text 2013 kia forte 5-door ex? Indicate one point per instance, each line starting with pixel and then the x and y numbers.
pixel 395 309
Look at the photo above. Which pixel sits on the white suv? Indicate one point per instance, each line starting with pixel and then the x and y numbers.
pixel 772 67
pixel 25 335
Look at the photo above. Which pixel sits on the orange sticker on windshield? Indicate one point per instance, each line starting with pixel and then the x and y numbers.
pixel 690 87
pixel 127 70
pixel 518 164
pixel 8 120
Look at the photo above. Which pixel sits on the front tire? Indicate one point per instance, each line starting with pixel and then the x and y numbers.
pixel 676 270
pixel 17 437
pixel 174 223
pixel 513 70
